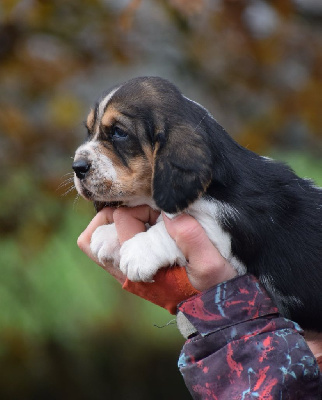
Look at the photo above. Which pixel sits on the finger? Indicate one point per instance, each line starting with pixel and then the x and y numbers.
pixel 131 221
pixel 105 216
pixel 115 272
pixel 206 267
pixel 189 236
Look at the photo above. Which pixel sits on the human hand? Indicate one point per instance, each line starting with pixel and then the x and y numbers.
pixel 170 286
pixel 105 216
pixel 128 222
pixel 206 267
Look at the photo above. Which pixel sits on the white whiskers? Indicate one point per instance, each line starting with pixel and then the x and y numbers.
pixel 67 185
pixel 75 203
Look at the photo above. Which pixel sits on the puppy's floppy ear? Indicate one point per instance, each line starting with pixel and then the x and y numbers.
pixel 182 167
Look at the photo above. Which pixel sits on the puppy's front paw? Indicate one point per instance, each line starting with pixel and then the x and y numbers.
pixel 105 244
pixel 138 262
pixel 147 252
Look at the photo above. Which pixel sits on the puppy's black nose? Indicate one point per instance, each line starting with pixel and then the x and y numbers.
pixel 81 168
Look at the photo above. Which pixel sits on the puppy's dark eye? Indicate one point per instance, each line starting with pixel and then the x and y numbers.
pixel 118 134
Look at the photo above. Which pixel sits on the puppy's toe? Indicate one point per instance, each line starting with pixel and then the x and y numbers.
pixel 108 253
pixel 135 264
pixel 105 245
pixel 135 272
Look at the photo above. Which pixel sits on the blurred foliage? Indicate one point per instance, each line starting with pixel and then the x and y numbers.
pixel 256 65
pixel 67 330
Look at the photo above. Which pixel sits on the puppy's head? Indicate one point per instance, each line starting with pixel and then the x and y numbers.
pixel 147 144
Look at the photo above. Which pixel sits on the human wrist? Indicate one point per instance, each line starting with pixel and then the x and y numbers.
pixel 214 276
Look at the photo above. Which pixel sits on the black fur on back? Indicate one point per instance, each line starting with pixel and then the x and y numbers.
pixel 276 228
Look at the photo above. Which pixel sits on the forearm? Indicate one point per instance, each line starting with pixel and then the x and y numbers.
pixel 243 348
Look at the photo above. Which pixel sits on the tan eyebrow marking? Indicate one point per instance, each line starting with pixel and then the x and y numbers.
pixel 110 115
pixel 113 116
pixel 90 119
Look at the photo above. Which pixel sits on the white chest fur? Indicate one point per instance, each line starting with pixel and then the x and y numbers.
pixel 209 213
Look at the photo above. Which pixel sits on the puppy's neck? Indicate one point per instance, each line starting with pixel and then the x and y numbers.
pixel 139 201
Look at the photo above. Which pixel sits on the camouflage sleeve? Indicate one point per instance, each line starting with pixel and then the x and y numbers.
pixel 243 349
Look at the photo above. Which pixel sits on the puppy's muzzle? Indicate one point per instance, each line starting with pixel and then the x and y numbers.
pixel 81 168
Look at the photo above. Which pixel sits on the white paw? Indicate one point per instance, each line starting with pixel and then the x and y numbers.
pixel 105 244
pixel 137 262
pixel 147 252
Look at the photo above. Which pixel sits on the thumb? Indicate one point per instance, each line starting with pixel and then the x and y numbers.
pixel 188 234
pixel 206 267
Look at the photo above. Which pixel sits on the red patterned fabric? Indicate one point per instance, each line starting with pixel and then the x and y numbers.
pixel 244 349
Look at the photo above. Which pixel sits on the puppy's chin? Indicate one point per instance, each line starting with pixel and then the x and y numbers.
pixel 88 195
pixel 81 189
pixel 99 205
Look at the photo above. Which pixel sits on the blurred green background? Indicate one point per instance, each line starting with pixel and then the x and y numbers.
pixel 67 331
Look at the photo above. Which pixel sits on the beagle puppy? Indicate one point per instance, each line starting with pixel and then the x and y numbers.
pixel 149 144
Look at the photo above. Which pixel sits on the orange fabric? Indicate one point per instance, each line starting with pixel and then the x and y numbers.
pixel 170 287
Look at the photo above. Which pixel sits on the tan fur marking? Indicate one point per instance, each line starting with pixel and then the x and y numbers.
pixel 149 154
pixel 110 115
pixel 90 119
pixel 140 177
pixel 135 180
